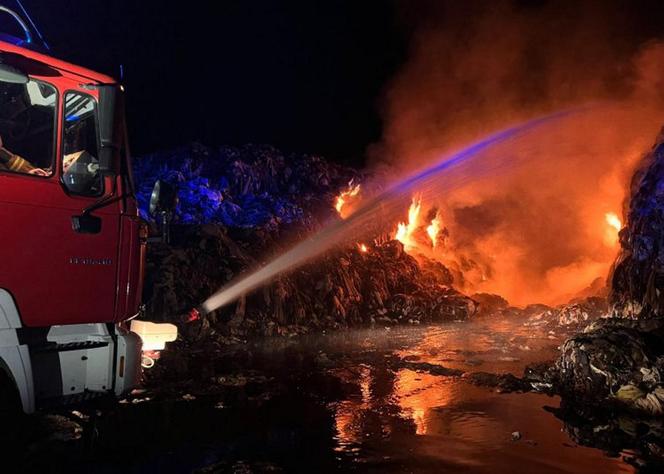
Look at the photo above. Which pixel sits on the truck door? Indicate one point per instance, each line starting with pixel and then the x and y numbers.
pixel 57 273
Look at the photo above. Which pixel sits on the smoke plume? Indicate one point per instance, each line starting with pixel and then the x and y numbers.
pixel 539 232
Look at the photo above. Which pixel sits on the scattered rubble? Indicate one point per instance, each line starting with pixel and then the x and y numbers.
pixel 615 433
pixel 617 361
pixel 433 369
pixel 490 304
pixel 573 316
pixel 503 383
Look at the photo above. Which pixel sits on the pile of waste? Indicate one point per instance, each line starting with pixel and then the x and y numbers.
pixel 617 361
pixel 620 360
pixel 576 315
pixel 253 186
pixel 240 206
pixel 637 284
pixel 345 288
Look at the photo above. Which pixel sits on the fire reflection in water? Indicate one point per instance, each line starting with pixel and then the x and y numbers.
pixel 391 415
pixel 410 398
pixel 349 413
pixel 417 394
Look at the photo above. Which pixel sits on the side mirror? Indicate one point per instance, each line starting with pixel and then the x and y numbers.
pixel 164 198
pixel 110 105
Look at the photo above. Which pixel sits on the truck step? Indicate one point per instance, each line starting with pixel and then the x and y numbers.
pixel 75 399
pixel 68 346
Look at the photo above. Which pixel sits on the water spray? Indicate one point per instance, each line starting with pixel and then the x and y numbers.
pixel 336 232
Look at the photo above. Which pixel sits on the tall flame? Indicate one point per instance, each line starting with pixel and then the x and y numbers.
pixel 434 229
pixel 343 198
pixel 405 230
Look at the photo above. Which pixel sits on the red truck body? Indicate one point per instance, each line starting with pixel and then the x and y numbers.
pixel 56 275
pixel 71 262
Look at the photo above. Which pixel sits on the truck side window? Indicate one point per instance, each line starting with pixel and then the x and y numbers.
pixel 80 165
pixel 27 127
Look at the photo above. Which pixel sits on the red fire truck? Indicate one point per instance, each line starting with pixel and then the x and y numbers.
pixel 72 246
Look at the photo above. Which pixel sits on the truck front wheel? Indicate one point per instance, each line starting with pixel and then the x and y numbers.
pixel 10 402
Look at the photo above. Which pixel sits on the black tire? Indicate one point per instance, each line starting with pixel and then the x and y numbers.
pixel 10 401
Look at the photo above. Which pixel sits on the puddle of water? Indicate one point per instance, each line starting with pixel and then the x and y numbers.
pixel 343 401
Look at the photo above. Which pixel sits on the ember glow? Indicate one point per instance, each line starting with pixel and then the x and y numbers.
pixel 341 204
pixel 362 248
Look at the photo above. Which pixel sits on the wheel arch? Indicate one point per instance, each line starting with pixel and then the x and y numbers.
pixel 9 315
pixel 15 357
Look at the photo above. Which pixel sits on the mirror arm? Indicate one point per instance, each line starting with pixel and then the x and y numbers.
pixel 104 201
pixel 165 228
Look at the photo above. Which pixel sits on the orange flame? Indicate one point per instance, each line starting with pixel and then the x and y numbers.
pixel 405 231
pixel 434 229
pixel 614 225
pixel 343 198
pixel 363 248
pixel 613 220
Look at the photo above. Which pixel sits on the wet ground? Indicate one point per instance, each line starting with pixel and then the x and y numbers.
pixel 347 401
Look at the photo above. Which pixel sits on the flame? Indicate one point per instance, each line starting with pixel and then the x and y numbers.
pixel 344 197
pixel 613 220
pixel 614 225
pixel 405 231
pixel 401 233
pixel 363 248
pixel 434 229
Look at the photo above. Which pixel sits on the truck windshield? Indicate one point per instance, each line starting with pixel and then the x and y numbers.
pixel 27 126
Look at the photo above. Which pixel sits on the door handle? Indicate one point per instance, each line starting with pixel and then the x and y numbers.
pixel 86 224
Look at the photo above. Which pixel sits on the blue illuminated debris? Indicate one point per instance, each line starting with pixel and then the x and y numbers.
pixel 249 186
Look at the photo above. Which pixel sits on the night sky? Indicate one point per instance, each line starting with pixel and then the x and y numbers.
pixel 304 76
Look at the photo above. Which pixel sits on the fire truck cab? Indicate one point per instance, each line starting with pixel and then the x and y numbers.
pixel 72 244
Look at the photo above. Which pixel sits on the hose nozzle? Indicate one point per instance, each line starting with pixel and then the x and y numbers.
pixel 193 315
